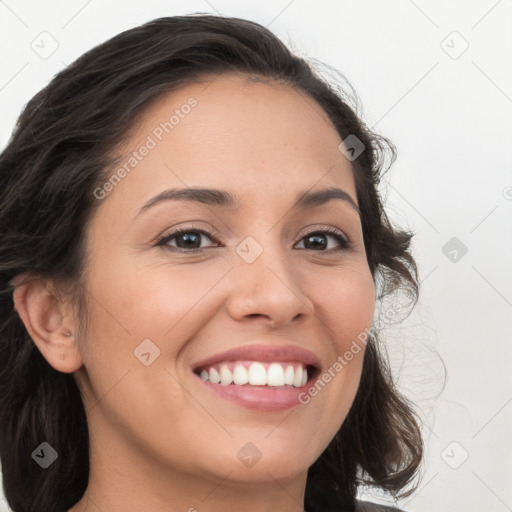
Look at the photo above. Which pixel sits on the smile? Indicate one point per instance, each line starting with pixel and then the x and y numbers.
pixel 255 373
pixel 266 378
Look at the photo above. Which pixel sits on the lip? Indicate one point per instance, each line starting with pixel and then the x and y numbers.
pixel 263 353
pixel 261 398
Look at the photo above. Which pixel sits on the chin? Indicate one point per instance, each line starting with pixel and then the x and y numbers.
pixel 266 471
pixel 270 462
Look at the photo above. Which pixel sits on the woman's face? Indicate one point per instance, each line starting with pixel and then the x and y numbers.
pixel 160 312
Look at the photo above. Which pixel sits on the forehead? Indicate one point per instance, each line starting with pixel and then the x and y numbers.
pixel 258 139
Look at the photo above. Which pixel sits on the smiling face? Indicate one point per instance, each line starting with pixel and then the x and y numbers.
pixel 165 308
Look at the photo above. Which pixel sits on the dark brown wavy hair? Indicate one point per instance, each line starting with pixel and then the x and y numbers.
pixel 61 150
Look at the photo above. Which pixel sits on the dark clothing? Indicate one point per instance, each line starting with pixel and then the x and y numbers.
pixel 366 506
pixel 329 502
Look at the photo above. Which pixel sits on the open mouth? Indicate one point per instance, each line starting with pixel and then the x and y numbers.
pixel 262 377
pixel 282 374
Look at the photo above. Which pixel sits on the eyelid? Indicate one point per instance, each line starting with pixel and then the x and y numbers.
pixel 192 228
pixel 346 243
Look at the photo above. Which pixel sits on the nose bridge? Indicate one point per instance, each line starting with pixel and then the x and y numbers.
pixel 264 282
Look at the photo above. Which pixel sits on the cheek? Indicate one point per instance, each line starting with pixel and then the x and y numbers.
pixel 152 300
pixel 345 303
pixel 161 304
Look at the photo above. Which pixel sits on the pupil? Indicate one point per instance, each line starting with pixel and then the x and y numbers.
pixel 187 237
pixel 317 238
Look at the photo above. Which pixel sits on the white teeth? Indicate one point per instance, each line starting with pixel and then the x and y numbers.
pixel 257 375
pixel 297 378
pixel 288 375
pixel 240 375
pixel 226 377
pixel 214 376
pixel 275 375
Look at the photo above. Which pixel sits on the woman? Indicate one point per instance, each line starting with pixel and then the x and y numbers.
pixel 192 247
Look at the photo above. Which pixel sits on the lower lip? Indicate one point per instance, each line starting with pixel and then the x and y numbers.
pixel 261 398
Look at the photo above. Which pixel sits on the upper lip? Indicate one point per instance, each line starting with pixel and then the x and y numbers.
pixel 263 353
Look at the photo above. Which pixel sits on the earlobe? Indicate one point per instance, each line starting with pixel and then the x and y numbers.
pixel 48 321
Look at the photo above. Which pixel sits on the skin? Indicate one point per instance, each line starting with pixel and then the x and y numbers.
pixel 159 440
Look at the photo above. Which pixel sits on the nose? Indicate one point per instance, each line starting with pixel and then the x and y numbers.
pixel 267 291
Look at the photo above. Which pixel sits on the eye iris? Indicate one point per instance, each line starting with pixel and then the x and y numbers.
pixel 190 236
pixel 192 240
pixel 322 244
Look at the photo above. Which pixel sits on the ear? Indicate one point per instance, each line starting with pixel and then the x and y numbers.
pixel 49 321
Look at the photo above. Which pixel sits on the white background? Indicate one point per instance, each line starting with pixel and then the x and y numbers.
pixel 449 113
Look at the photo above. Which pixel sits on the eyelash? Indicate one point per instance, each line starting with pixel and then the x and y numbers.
pixel 345 243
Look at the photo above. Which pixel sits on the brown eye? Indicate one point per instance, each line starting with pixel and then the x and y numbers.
pixel 187 239
pixel 319 240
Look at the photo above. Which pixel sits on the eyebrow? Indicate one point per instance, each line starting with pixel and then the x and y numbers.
pixel 223 198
